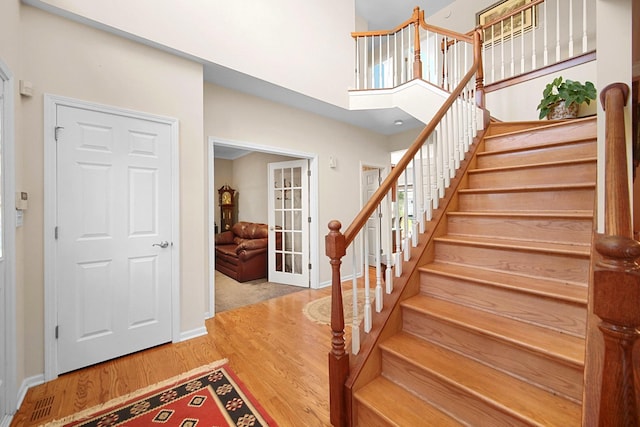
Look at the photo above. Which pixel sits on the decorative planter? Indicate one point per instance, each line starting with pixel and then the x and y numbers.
pixel 560 111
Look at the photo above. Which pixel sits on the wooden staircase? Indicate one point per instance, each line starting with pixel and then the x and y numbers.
pixel 496 335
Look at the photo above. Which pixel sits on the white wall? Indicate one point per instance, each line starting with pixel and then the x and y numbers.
pixel 519 102
pixel 310 41
pixel 234 116
pixel 68 59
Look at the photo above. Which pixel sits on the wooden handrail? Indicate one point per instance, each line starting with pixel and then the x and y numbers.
pixel 336 244
pixel 616 277
pixel 415 17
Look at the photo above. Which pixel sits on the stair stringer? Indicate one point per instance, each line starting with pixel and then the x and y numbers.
pixel 367 364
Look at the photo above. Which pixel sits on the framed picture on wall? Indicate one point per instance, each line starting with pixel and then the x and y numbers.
pixel 505 29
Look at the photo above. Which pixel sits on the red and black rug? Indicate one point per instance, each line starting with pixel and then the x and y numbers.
pixel 208 396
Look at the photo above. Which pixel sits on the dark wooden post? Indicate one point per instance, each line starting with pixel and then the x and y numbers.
pixel 616 279
pixel 417 61
pixel 477 52
pixel 335 248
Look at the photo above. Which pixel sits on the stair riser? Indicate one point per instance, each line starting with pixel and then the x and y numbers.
pixel 560 230
pixel 520 362
pixel 545 312
pixel 533 264
pixel 581 130
pixel 368 417
pixel 570 199
pixel 539 175
pixel 452 399
pixel 557 153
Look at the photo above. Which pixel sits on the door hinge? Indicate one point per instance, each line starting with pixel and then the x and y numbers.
pixel 308 172
pixel 56 133
pixel 309 266
pixel 309 220
pixel 57 330
pixel 55 232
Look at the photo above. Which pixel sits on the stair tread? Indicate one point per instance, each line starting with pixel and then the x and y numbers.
pixel 543 125
pixel 382 396
pixel 534 165
pixel 535 147
pixel 527 214
pixel 526 245
pixel 548 288
pixel 537 187
pixel 510 394
pixel 553 344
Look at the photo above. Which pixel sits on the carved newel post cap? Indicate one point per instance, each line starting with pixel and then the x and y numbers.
pixel 618 252
pixel 334 242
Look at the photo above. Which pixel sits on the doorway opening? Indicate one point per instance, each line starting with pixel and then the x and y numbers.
pixel 245 167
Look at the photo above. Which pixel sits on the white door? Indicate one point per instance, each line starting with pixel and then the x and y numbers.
pixel 370 183
pixel 288 205
pixel 114 242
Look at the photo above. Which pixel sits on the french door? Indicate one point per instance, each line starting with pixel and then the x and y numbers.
pixel 288 205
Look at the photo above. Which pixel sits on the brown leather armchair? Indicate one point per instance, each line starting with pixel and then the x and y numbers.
pixel 241 253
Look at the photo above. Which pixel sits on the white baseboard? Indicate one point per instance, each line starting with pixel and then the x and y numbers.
pixel 27 384
pixel 6 421
pixel 194 333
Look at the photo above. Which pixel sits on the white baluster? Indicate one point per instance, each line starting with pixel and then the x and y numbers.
pixel 445 64
pixel 419 192
pixel 373 62
pixel 445 155
pixel 493 55
pixel 545 27
pixel 378 261
pixel 570 28
pixel 522 41
pixel 584 26
pixel 512 43
pixel 367 296
pixel 428 205
pixel 405 241
pixel 402 59
pixel 557 31
pixel 355 327
pixel 533 41
pixel 414 210
pixel 366 64
pixel 439 167
pixel 398 239
pixel 452 145
pixel 389 84
pixel 389 244
pixel 502 49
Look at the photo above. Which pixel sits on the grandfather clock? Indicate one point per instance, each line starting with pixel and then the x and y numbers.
pixel 226 207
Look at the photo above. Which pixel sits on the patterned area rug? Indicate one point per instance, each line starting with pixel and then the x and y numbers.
pixel 319 310
pixel 211 395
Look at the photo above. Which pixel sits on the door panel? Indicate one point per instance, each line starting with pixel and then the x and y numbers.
pixel 114 210
pixel 288 205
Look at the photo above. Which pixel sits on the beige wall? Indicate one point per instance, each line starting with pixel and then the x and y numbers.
pixel 311 40
pixel 64 58
pixel 250 177
pixel 234 116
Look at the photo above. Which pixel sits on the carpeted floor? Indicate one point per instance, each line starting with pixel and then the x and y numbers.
pixel 231 294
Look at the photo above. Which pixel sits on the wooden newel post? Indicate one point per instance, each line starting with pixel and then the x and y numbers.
pixel 477 52
pixel 335 248
pixel 616 297
pixel 616 277
pixel 417 61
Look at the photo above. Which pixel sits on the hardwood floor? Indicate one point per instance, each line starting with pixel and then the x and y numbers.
pixel 278 353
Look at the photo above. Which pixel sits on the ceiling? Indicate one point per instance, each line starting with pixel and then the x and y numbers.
pixel 380 14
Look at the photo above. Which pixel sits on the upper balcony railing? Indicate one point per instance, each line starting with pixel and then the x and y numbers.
pixel 517 40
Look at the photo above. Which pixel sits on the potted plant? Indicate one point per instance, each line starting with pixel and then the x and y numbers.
pixel 560 99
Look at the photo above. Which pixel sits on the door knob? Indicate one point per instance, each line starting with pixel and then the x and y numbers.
pixel 162 244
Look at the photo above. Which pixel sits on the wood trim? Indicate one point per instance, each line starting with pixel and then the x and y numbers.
pixel 549 69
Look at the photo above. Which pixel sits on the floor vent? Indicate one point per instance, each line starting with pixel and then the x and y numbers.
pixel 42 408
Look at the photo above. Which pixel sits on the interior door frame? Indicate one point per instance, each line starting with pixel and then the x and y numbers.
pixel 51 103
pixel 9 333
pixel 314 255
